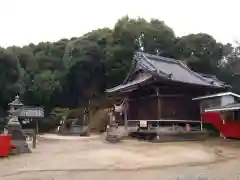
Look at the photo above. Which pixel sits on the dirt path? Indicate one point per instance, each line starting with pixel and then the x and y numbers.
pixel 91 158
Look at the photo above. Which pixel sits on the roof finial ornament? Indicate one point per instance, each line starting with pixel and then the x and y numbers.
pixel 140 42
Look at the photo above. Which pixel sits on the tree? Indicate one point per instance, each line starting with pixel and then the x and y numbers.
pixel 201 51
pixel 9 77
pixel 86 79
pixel 231 66
pixel 232 60
pixel 70 72
pixel 155 36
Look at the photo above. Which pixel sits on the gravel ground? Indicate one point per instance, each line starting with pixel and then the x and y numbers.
pixel 63 158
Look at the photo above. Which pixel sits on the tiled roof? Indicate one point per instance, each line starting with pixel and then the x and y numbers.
pixel 177 70
pixel 167 68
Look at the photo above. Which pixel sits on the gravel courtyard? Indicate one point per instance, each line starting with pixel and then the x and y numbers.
pixel 63 158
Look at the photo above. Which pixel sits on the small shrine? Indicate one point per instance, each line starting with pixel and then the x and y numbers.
pixel 157 97
pixel 76 124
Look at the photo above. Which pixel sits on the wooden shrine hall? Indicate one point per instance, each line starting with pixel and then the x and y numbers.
pixel 159 91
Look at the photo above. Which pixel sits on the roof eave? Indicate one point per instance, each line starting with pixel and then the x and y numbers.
pixel 130 87
pixel 217 95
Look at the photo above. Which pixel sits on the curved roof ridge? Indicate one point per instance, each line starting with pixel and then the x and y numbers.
pixel 134 62
pixel 143 57
pixel 194 73
pixel 159 71
pixel 214 77
pixel 206 75
pixel 153 69
pixel 157 57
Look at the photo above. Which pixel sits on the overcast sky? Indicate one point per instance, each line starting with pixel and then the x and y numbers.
pixel 26 21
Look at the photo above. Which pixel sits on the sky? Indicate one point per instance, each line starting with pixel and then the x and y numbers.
pixel 34 21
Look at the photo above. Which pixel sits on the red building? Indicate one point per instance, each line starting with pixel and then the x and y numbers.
pixel 223 112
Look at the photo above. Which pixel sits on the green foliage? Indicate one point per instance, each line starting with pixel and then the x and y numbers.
pixel 9 77
pixel 60 112
pixel 201 51
pixel 70 72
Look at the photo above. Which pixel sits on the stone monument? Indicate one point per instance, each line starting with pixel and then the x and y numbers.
pixel 112 135
pixel 14 127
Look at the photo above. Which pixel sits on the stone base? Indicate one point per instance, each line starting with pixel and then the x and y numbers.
pixel 112 139
pixel 21 146
pixel 170 137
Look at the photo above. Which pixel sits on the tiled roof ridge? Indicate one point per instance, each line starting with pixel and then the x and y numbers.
pixel 162 72
pixel 162 58
pixel 194 73
pixel 212 76
pixel 207 75
pixel 141 57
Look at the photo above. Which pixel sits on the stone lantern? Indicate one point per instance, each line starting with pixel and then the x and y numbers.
pixel 14 127
pixel 14 112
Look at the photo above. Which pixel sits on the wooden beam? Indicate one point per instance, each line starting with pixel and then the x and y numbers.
pixel 151 95
pixel 171 95
pixel 158 95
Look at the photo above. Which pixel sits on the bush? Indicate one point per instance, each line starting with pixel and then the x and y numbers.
pixel 99 120
pixel 48 124
pixel 212 131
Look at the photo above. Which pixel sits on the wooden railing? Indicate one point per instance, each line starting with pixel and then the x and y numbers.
pixel 173 121
pixel 168 120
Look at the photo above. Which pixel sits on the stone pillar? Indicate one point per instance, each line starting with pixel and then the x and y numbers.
pixel 111 134
pixel 15 129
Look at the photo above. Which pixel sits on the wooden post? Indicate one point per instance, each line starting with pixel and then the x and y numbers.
pixel 158 111
pixel 37 127
pixel 201 114
pixel 201 124
pixel 125 115
pixel 89 112
pixel 158 103
pixel 34 140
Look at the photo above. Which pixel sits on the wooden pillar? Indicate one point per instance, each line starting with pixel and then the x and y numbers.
pixel 201 114
pixel 158 112
pixel 37 127
pixel 158 104
pixel 34 140
pixel 89 112
pixel 125 115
